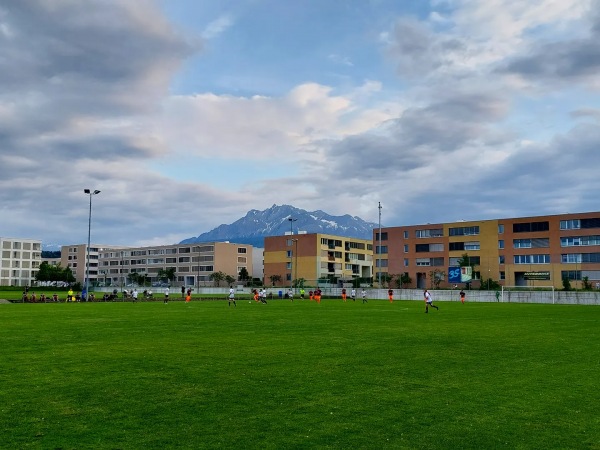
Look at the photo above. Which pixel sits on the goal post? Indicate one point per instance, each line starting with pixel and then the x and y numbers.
pixel 527 294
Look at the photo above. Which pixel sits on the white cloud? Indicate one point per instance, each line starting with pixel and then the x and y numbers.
pixel 217 27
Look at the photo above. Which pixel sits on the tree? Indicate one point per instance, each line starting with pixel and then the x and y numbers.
pixel 299 283
pixel 229 279
pixel 586 283
pixel 386 278
pixel 243 275
pixel 275 279
pixel 43 273
pixel 489 284
pixel 167 274
pixel 68 275
pixel 136 278
pixel 217 277
pixel 436 276
pixel 566 284
pixel 404 280
pixel 465 261
pixel 47 272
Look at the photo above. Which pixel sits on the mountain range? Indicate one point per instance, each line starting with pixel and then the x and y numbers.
pixel 256 225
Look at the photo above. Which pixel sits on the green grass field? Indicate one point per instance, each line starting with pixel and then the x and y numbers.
pixel 299 375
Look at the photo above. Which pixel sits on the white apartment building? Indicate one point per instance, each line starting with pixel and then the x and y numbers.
pixel 19 261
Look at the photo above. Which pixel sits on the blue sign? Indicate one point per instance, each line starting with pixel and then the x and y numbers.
pixel 454 275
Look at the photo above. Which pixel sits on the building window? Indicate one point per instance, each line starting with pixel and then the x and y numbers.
pixel 405 248
pixel 381 250
pixel 531 227
pixel 500 228
pixel 289 253
pixel 288 265
pixel 590 223
pixel 571 258
pixel 573 224
pixel 384 236
pixel 501 259
pixel 471 245
pixel 502 275
pixel 357 245
pixel 532 243
pixel 455 246
pixel 242 250
pixel 501 244
pixel 570 274
pixel 522 243
pixel 405 234
pixel 575 241
pixel 437 232
pixel 421 248
pixel 405 262
pixel 436 247
pixel 464 231
pixel 532 259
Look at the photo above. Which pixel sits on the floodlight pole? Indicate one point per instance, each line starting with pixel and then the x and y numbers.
pixel 292 220
pixel 90 193
pixel 296 261
pixel 379 249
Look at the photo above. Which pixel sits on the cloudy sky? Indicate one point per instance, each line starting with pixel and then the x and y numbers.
pixel 186 114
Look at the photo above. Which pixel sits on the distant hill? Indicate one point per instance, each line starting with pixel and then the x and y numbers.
pixel 274 221
pixel 50 253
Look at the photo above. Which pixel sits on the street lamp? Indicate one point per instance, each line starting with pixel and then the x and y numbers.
pixel 379 252
pixel 295 262
pixel 292 220
pixel 87 266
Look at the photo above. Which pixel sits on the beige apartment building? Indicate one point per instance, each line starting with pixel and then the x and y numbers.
pixel 75 258
pixel 193 263
pixel 20 260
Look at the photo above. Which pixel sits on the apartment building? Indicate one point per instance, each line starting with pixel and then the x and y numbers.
pixel 524 251
pixel 19 261
pixel 316 257
pixel 193 263
pixel 75 258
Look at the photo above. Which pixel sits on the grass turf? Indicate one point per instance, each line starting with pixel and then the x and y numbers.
pixel 299 375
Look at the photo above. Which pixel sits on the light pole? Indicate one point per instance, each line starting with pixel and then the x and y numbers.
pixel 90 193
pixel 292 220
pixel 198 272
pixel 295 262
pixel 122 274
pixel 379 250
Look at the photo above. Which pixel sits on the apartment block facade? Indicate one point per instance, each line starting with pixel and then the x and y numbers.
pixel 524 251
pixel 20 260
pixel 316 256
pixel 193 263
pixel 75 258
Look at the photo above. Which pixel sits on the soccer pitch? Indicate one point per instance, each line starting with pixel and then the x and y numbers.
pixel 299 375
